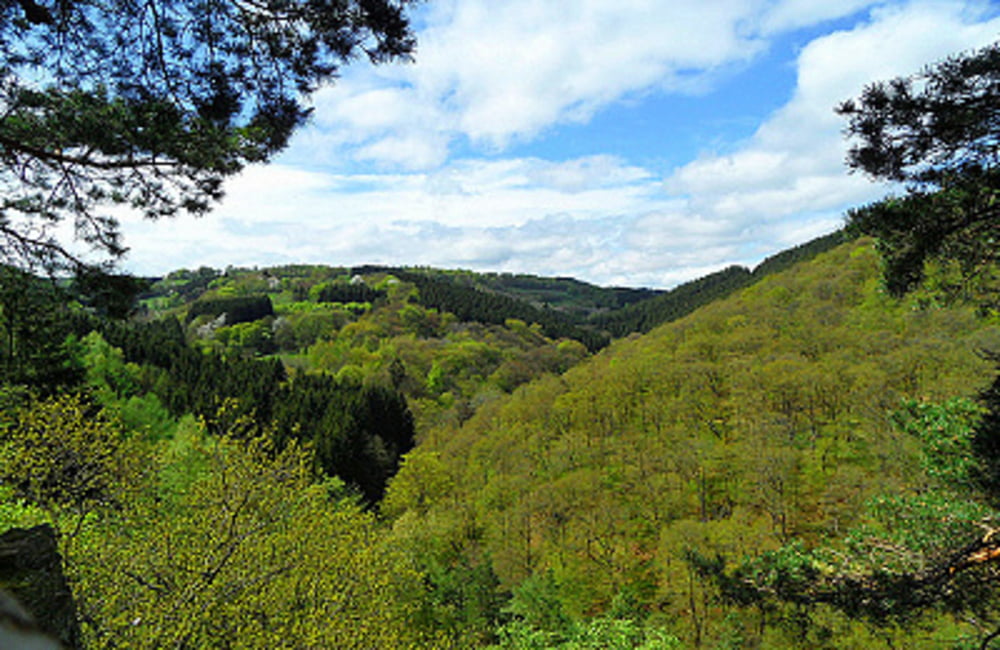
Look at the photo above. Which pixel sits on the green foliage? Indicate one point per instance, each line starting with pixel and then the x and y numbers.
pixel 446 368
pixel 913 533
pixel 952 222
pixel 17 512
pixel 911 554
pixel 393 341
pixel 302 324
pixel 464 599
pixel 34 326
pixel 246 550
pixel 359 431
pixel 754 422
pixel 986 442
pixel 119 388
pixel 105 369
pixel 185 284
pixel 564 294
pixel 108 295
pixel 63 452
pixel 946 433
pixel 345 292
pixel 145 415
pixel 246 339
pixel 537 601
pixel 238 309
pixel 470 303
pixel 595 634
pixel 568 296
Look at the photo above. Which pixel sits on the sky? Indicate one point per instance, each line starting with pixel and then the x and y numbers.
pixel 620 142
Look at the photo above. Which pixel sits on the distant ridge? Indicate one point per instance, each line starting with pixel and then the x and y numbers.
pixel 575 309
pixel 440 291
pixel 684 299
pixel 563 307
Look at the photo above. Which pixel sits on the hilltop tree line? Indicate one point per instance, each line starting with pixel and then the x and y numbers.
pixel 643 316
pixel 615 313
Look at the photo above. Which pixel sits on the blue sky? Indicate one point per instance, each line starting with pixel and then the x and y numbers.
pixel 622 142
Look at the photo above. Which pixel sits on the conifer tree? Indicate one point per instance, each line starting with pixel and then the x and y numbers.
pixel 151 105
pixel 937 132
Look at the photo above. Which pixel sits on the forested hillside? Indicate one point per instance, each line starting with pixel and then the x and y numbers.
pixel 445 347
pixel 561 307
pixel 583 504
pixel 448 341
pixel 759 419
pixel 803 455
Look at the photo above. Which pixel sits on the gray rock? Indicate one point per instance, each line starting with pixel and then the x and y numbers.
pixel 31 572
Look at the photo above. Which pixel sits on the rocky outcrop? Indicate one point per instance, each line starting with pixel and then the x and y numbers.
pixel 31 572
pixel 18 629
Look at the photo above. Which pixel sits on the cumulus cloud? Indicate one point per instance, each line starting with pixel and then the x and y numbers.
pixel 513 68
pixel 793 14
pixel 491 74
pixel 793 166
pixel 596 218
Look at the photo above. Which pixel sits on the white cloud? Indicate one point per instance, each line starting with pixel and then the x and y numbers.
pixel 583 174
pixel 471 212
pixel 793 14
pixel 492 73
pixel 514 68
pixel 793 166
pixel 598 219
pixel 413 150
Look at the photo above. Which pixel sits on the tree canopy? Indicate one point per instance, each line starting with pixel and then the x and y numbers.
pixel 918 552
pixel 153 104
pixel 937 132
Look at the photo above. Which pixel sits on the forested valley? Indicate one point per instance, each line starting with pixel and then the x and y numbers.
pixel 805 454
pixel 252 450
